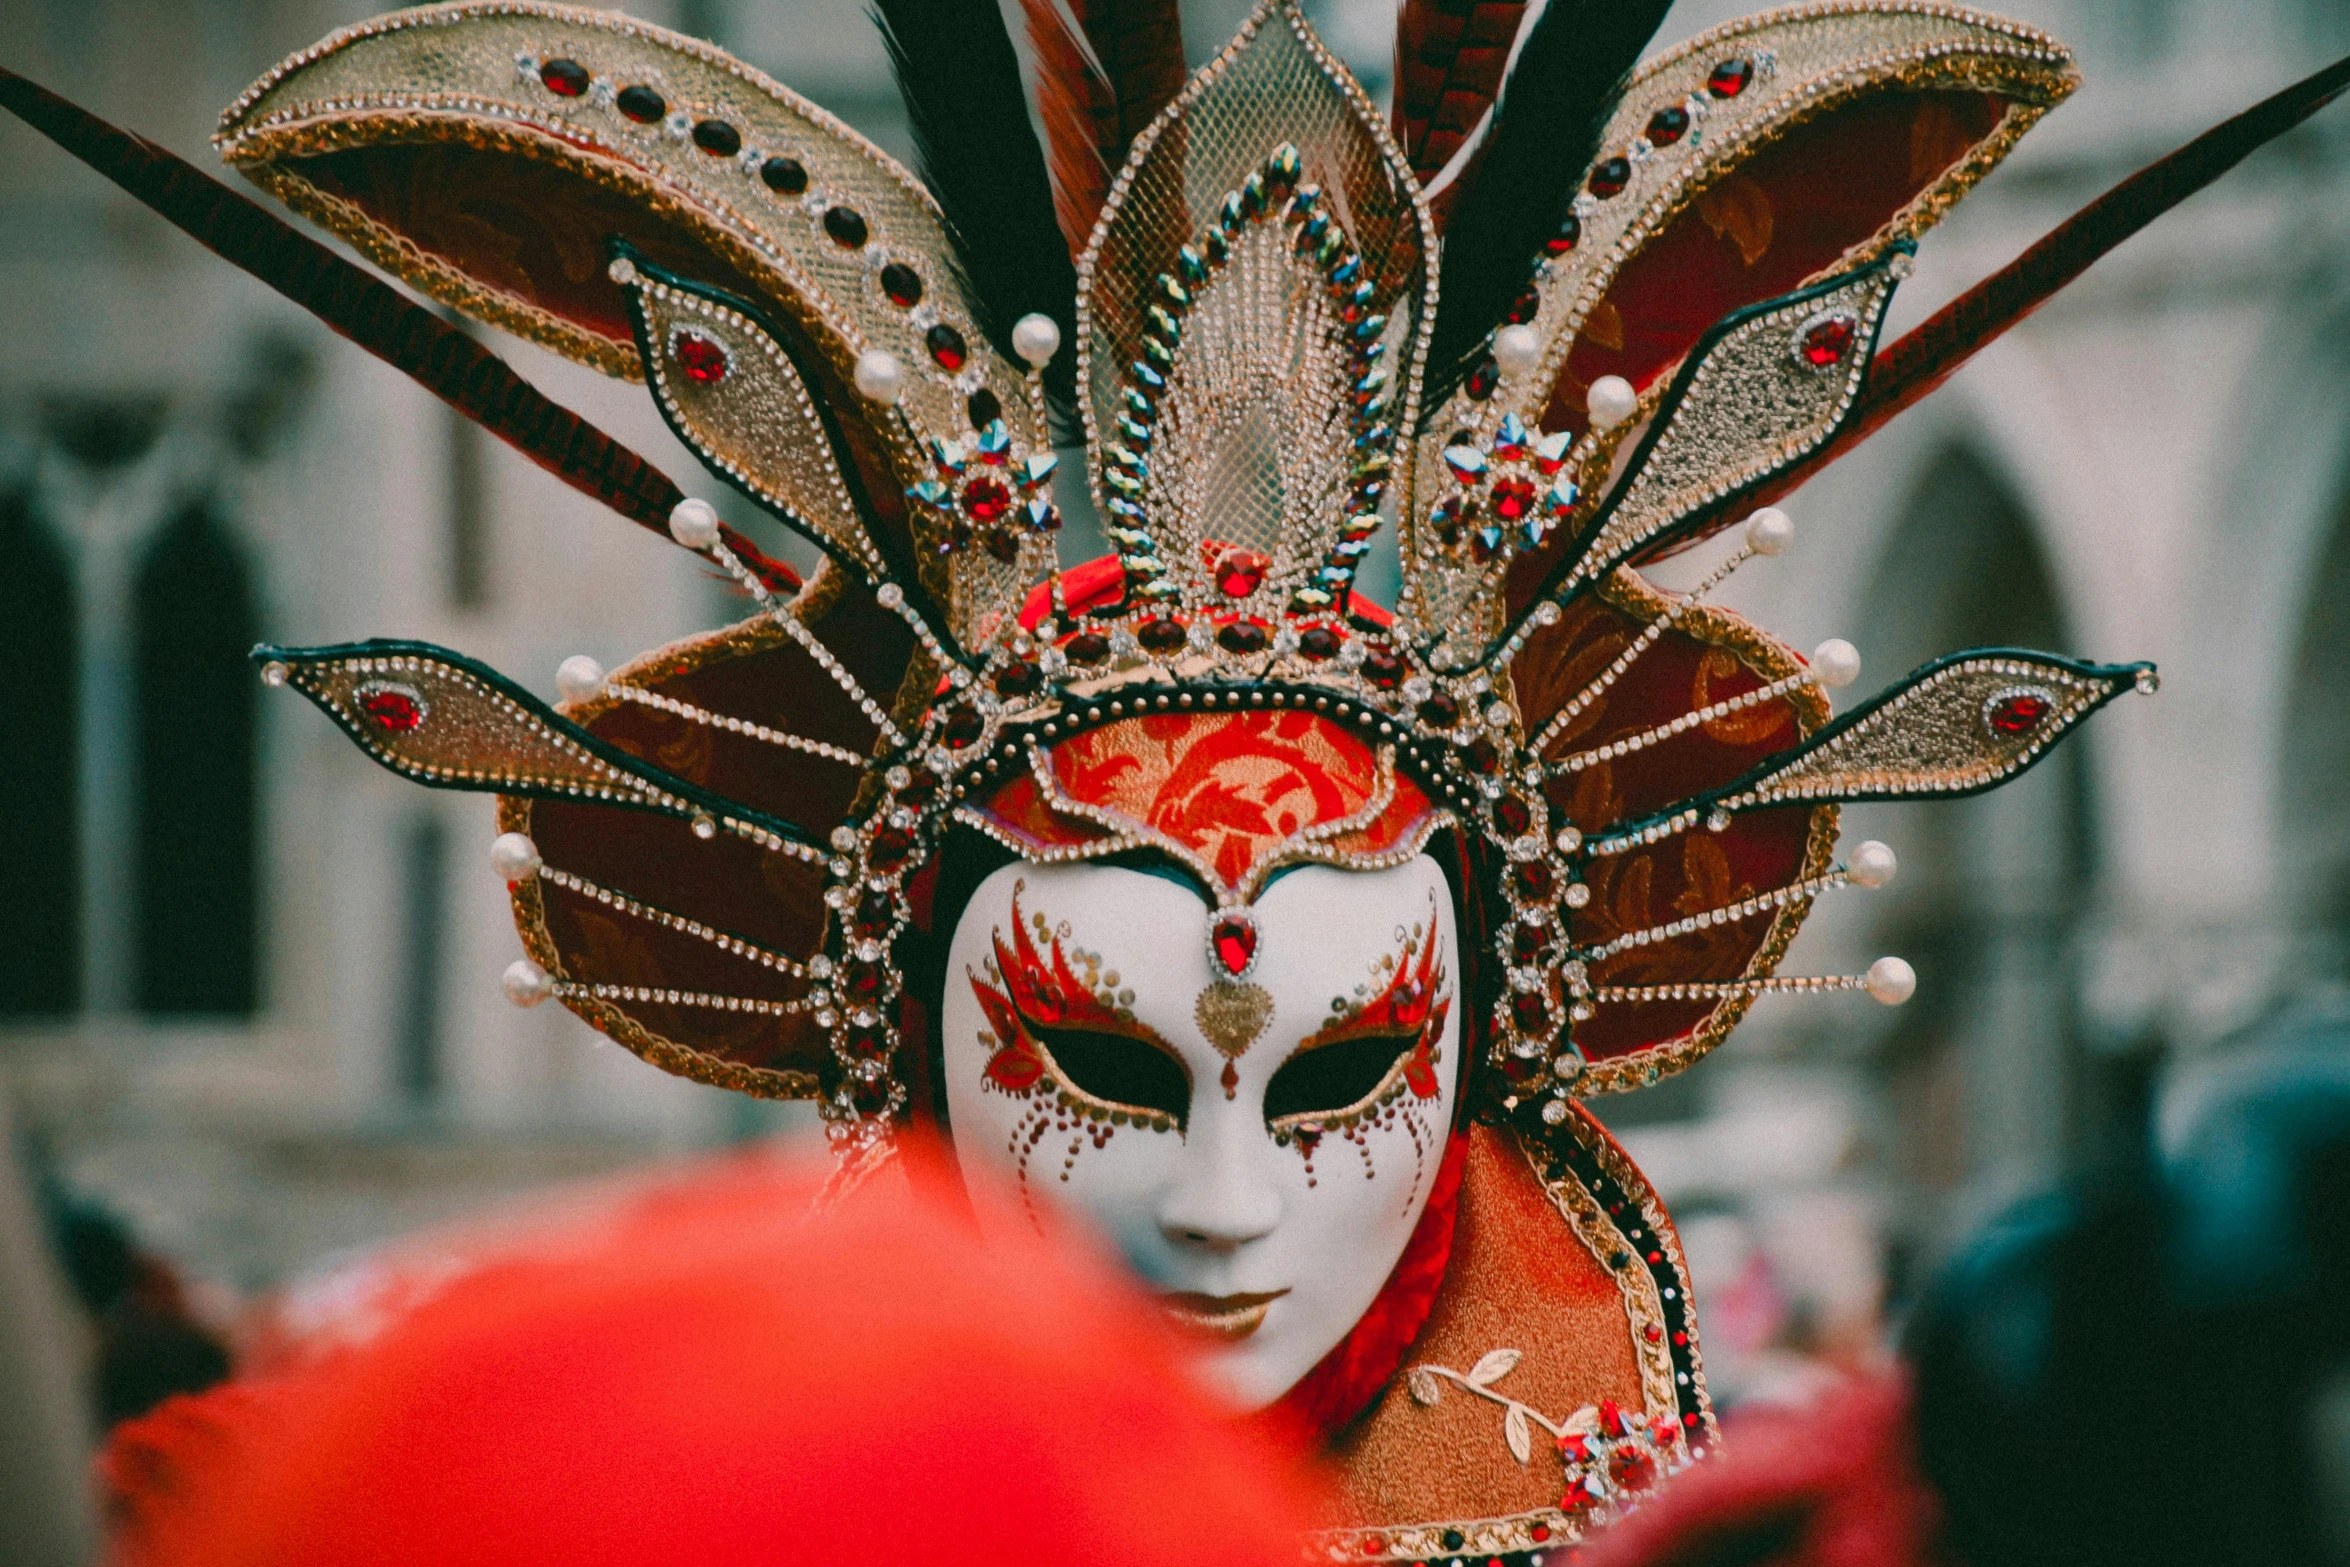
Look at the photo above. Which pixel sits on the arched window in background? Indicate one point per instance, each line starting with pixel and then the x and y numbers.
pixel 1984 1068
pixel 40 770
pixel 198 880
pixel 2315 768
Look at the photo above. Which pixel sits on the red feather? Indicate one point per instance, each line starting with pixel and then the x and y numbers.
pixel 1449 56
pixel 1097 87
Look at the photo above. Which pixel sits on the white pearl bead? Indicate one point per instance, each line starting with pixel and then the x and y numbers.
pixel 622 271
pixel 273 673
pixel 1611 401
pixel 1517 349
pixel 579 678
pixel 693 522
pixel 880 377
pixel 526 984
pixel 1036 338
pixel 1871 864
pixel 1769 531
pixel 1892 981
pixel 1835 663
pixel 514 857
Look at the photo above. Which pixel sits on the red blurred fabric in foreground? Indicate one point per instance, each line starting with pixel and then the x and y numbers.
pixel 697 1370
pixel 1832 1484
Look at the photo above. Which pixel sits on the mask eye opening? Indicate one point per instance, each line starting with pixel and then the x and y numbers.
pixel 1317 1073
pixel 1122 1078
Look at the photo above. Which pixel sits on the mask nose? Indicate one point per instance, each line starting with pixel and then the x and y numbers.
pixel 1223 1200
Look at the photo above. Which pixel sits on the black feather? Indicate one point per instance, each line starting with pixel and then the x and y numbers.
pixel 961 80
pixel 1545 134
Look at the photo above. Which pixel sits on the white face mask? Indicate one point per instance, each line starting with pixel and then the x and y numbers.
pixel 1261 1156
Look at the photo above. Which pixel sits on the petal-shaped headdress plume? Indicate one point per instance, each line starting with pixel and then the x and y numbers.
pixel 726 854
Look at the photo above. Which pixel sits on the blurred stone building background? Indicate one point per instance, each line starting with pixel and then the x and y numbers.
pixel 248 983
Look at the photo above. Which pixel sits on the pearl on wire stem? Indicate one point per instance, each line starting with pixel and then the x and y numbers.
pixel 579 678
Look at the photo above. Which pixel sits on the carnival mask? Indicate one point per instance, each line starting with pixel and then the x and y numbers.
pixel 1260 1146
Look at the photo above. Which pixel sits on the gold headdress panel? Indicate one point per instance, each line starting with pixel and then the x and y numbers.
pixel 722 852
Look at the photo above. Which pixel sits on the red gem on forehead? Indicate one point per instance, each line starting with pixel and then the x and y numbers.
pixel 1233 940
pixel 2018 713
pixel 1827 342
pixel 392 709
pixel 699 357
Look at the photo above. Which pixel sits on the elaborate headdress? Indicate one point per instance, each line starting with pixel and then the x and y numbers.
pixel 721 852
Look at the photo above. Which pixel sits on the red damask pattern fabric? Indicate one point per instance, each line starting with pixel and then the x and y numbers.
pixel 1234 788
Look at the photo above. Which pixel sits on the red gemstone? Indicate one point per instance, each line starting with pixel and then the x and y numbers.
pixel 1729 78
pixel 1318 643
pixel 701 358
pixel 1532 880
pixel 1528 942
pixel 1541 1533
pixel 1667 126
pixel 717 138
pixel 1530 1010
pixel 1513 498
pixel 876 910
pixel 1570 231
pixel 903 285
pixel 947 349
pixel 1018 680
pixel 2018 713
pixel 984 407
pixel 1482 756
pixel 1579 1497
pixel 1653 1333
pixel 919 788
pixel 1609 177
pixel 868 1039
pixel 1513 815
pixel 1240 572
pixel 784 176
pixel 963 726
pixel 1827 341
pixel 1162 636
pixel 1242 636
pixel 861 981
pixel 1483 380
pixel 987 499
pixel 1382 668
pixel 641 104
pixel 392 709
pixel 1440 711
pixel 1632 1469
pixel 1575 1448
pixel 1087 647
pixel 846 226
pixel 890 847
pixel 1611 1418
pixel 1234 940
pixel 564 78
pixel 1524 308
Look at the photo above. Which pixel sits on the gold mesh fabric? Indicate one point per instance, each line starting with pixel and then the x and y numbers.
pixel 435 722
pixel 756 422
pixel 1256 380
pixel 1940 736
pixel 1752 407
